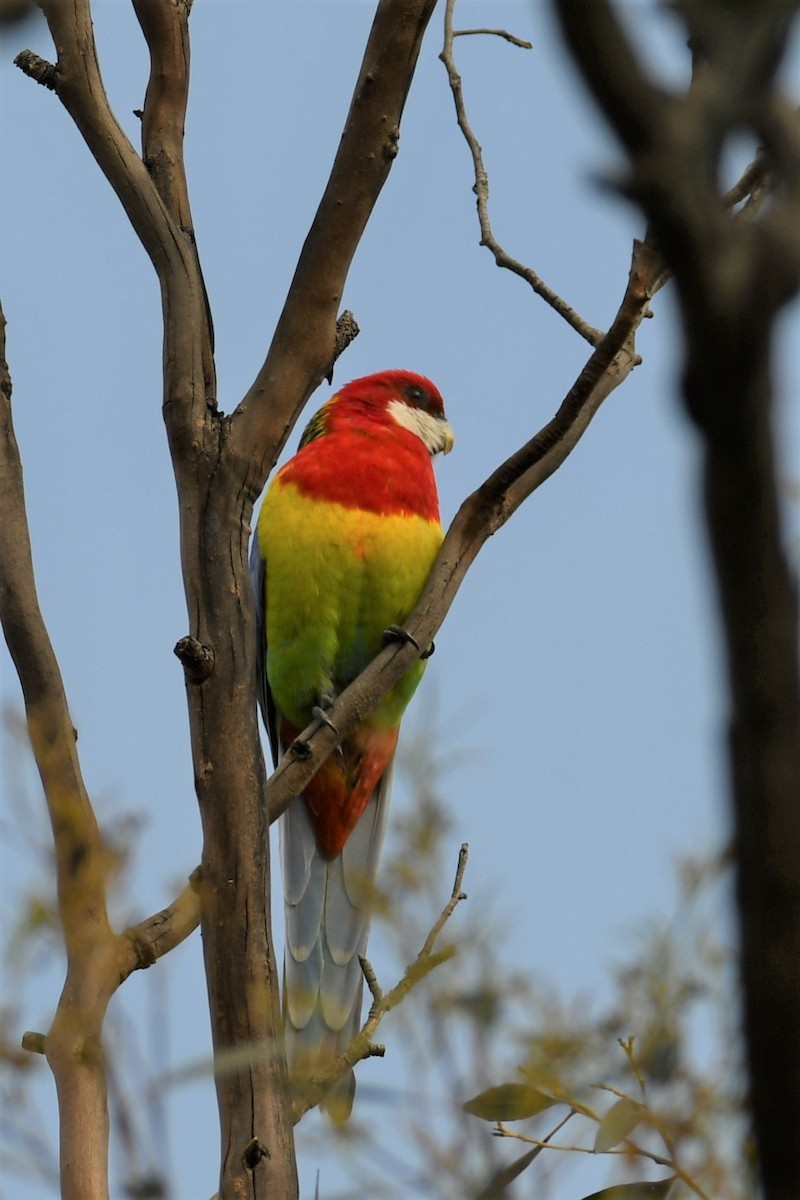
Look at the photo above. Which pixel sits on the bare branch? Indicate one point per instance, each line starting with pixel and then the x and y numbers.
pixel 456 896
pixel 166 31
pixel 97 959
pixel 303 345
pixel 481 189
pixel 78 84
pixel 501 33
pixel 152 939
pixel 73 1044
pixel 80 857
pixel 371 980
pixel 165 102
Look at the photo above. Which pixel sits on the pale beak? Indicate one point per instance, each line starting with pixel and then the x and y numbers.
pixel 448 438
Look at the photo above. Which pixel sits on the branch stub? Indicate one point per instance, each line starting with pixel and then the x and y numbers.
pixel 44 72
pixel 197 659
pixel 253 1153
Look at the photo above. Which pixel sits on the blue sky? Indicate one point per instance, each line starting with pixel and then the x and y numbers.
pixel 576 686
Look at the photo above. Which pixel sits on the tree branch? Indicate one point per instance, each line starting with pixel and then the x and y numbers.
pixel 79 86
pixel 302 348
pixel 152 939
pixel 733 276
pixel 97 959
pixel 501 33
pixel 166 31
pixel 73 1044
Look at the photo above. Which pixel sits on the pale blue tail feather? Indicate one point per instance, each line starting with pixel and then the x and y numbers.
pixel 327 906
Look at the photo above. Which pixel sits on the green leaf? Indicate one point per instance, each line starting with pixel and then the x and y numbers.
pixel 546 1081
pixel 659 1190
pixel 496 1187
pixel 509 1102
pixel 618 1123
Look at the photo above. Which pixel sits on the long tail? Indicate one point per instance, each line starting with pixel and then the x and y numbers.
pixel 327 906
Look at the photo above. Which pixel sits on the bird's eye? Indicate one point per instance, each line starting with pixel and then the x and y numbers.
pixel 416 395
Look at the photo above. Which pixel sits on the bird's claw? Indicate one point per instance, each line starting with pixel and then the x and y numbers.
pixel 396 633
pixel 320 714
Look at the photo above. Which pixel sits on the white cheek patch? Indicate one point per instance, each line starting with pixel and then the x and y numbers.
pixel 434 432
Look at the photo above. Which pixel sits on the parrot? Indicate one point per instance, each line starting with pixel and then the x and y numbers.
pixel 345 540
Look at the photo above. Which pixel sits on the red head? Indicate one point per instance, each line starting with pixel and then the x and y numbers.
pixel 388 398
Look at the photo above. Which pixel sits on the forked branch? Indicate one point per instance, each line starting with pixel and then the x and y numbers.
pixel 481 186
pixel 304 343
pixel 95 954
pixel 98 959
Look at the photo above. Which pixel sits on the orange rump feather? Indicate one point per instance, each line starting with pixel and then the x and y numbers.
pixel 341 789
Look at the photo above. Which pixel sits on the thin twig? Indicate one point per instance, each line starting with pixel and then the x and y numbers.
pixel 499 1181
pixel 754 184
pixel 502 1131
pixel 501 33
pixel 362 1045
pixel 456 896
pixel 371 979
pixel 751 180
pixel 628 1047
pixel 481 189
pixel 625 1151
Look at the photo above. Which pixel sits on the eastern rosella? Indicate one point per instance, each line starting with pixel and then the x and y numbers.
pixel 346 538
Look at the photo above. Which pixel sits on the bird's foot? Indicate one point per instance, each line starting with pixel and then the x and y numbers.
pixel 320 713
pixel 396 633
pixel 320 718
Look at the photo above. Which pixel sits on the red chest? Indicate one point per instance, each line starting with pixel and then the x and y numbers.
pixel 387 473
